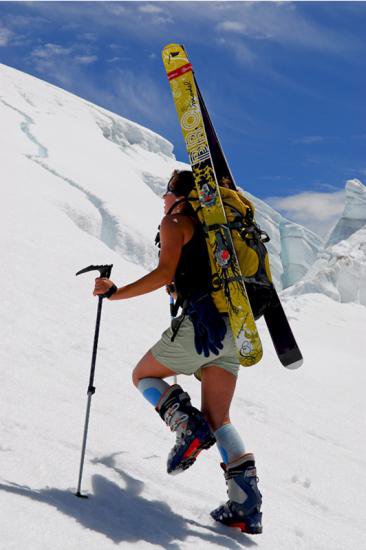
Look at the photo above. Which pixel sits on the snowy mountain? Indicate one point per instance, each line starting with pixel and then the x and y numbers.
pixel 114 172
pixel 79 186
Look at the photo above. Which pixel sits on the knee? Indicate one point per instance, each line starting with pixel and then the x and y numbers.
pixel 137 372
pixel 135 377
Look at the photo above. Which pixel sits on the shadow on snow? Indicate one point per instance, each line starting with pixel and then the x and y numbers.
pixel 123 515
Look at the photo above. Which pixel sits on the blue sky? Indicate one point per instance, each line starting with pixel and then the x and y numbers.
pixel 284 82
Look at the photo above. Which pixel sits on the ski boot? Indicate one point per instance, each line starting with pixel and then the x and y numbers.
pixel 242 510
pixel 193 433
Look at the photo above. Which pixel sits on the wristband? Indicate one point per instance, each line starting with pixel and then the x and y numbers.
pixel 109 292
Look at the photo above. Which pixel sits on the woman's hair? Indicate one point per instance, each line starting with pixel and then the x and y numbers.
pixel 181 183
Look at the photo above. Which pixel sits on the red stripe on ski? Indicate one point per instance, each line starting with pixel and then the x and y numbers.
pixel 180 71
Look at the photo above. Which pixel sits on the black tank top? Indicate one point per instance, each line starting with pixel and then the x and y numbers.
pixel 193 273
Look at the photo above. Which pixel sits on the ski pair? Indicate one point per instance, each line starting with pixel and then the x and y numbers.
pixel 209 165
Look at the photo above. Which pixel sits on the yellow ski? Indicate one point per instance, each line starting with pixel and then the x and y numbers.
pixel 211 212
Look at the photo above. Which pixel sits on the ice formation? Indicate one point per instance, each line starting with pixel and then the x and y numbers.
pixel 340 270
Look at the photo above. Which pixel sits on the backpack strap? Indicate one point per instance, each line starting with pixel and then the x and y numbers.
pixel 177 203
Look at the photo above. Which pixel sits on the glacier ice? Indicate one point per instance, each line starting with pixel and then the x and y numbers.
pixel 354 214
pixel 293 248
pixel 340 270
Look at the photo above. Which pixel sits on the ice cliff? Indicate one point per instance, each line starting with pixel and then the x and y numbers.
pixel 293 248
pixel 340 270
pixel 354 214
pixel 107 173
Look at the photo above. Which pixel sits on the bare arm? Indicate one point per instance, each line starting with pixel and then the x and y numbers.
pixel 171 239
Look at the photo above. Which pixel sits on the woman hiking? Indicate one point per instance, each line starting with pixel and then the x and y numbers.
pixel 184 262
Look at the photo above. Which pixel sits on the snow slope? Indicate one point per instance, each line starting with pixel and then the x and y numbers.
pixel 66 204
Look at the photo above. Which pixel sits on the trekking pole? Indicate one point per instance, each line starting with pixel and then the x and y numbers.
pixel 105 271
pixel 172 311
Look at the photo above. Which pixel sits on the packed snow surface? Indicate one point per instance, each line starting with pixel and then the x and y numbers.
pixel 79 187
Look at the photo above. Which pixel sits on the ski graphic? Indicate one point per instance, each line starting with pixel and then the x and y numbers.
pixel 212 213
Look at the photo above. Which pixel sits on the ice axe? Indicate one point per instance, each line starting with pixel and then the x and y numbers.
pixel 105 271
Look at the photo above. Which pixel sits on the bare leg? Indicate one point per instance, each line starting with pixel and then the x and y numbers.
pixel 149 367
pixel 218 387
pixel 174 406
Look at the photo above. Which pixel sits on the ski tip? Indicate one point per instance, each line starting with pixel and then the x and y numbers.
pixel 170 52
pixel 172 46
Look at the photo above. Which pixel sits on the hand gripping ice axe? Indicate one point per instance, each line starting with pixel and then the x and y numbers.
pixel 105 271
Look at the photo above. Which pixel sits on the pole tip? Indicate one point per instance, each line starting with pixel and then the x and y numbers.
pixel 78 494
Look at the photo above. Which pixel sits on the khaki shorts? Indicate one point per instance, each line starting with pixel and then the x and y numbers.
pixel 181 356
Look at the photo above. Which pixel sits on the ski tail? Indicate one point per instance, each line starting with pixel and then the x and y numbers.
pixel 281 334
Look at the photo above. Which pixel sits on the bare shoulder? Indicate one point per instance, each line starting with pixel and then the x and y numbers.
pixel 178 224
pixel 176 221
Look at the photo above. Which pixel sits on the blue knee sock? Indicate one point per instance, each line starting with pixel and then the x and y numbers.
pixel 229 443
pixel 152 389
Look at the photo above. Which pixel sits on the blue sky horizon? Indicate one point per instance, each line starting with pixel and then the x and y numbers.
pixel 284 82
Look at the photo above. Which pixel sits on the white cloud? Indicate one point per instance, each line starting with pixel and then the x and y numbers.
pixel 231 26
pixel 86 59
pixel 61 63
pixel 150 8
pixel 47 50
pixel 281 22
pixel 54 61
pixel 310 139
pixel 5 36
pixel 115 8
pixel 317 211
pixel 138 96
pixel 241 51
